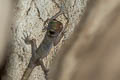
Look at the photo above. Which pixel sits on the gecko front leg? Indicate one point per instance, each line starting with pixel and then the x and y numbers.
pixel 31 64
pixel 33 61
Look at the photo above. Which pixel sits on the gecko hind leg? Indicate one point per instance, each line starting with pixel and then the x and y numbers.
pixel 43 67
pixel 32 42
pixel 45 70
pixel 61 11
pixel 49 20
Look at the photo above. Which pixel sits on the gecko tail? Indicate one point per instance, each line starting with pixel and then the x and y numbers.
pixel 27 73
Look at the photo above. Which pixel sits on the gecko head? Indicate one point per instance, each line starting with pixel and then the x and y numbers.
pixel 54 28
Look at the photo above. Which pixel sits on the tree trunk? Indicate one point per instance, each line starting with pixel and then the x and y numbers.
pixel 28 19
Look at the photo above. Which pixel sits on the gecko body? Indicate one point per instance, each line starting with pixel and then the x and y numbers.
pixel 52 37
pixel 54 33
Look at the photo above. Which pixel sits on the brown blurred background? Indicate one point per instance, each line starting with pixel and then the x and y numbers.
pixel 93 52
pixel 5 23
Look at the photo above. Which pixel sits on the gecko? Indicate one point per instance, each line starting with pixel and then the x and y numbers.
pixel 54 33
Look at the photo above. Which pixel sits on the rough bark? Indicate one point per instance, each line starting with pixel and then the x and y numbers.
pixel 93 52
pixel 28 19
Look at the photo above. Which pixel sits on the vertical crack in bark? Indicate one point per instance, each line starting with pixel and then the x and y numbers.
pixel 38 12
pixel 27 12
pixel 55 3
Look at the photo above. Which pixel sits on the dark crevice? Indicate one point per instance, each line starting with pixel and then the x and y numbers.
pixel 5 61
pixel 28 11
pixel 38 12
